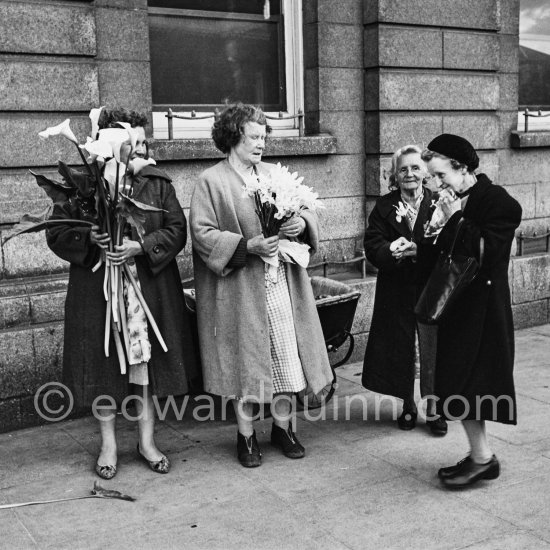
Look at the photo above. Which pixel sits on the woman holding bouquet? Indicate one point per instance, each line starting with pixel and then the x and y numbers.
pixel 260 335
pixel 475 340
pixel 395 225
pixel 96 380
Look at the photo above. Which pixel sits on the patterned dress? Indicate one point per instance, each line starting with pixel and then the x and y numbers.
pixel 286 367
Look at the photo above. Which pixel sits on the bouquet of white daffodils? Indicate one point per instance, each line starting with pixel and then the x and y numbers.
pixel 277 197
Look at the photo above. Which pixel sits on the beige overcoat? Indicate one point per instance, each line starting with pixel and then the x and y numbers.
pixel 231 303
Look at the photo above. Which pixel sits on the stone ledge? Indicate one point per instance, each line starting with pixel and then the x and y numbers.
pixel 521 140
pixel 187 149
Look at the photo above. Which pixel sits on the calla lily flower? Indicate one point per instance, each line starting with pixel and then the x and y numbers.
pixel 63 129
pixel 138 164
pixel 132 133
pixel 98 150
pixel 94 117
pixel 110 174
pixel 115 137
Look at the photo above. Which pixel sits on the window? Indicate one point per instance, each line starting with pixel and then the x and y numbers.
pixel 534 62
pixel 204 52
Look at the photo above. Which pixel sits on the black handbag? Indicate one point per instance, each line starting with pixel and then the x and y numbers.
pixel 450 276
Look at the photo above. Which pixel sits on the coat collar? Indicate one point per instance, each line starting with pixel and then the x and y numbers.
pixel 149 172
pixel 476 194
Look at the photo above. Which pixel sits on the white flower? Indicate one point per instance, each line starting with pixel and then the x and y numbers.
pixel 132 134
pixel 401 211
pixel 110 174
pixel 63 129
pixel 98 150
pixel 113 137
pixel 94 117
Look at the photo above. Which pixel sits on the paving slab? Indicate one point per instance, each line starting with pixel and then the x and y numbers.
pixel 362 484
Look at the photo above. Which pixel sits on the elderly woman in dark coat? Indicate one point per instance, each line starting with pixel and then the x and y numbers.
pixel 395 225
pixel 261 339
pixel 475 340
pixel 95 380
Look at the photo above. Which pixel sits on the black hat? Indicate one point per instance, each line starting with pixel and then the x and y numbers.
pixel 457 148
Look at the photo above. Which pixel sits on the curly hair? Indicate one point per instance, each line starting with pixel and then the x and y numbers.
pixel 229 127
pixel 109 117
pixel 405 150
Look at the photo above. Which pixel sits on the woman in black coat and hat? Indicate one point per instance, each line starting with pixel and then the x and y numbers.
pixel 475 341
pixel 395 225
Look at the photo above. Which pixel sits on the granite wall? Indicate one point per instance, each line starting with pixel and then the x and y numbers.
pixel 378 74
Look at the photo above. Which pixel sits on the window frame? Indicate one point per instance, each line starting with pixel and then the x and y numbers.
pixel 198 123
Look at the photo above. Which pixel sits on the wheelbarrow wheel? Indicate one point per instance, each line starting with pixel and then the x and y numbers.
pixel 306 399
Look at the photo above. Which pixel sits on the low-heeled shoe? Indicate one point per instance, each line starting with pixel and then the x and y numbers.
pixel 105 472
pixel 471 472
pixel 438 427
pixel 407 420
pixel 287 441
pixel 161 466
pixel 450 471
pixel 248 450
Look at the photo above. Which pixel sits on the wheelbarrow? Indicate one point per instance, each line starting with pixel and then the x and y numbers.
pixel 336 305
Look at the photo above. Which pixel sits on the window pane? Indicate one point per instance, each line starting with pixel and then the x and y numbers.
pixel 240 6
pixel 204 61
pixel 534 53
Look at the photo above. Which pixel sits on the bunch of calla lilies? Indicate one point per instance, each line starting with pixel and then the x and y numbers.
pixel 101 191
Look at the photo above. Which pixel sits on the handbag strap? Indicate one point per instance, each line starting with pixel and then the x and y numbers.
pixel 481 242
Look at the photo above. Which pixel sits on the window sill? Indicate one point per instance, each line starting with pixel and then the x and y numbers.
pixel 191 149
pixel 539 138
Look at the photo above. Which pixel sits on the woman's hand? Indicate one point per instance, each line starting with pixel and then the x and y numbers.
pixel 449 206
pixel 100 239
pixel 123 252
pixel 293 227
pixel 402 248
pixel 263 247
pixel 407 251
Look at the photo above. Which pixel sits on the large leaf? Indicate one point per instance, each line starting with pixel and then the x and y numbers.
pixel 134 212
pixel 77 178
pixel 59 192
pixel 30 223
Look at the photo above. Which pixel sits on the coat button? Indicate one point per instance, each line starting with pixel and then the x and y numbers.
pixel 77 236
pixel 156 249
pixel 489 282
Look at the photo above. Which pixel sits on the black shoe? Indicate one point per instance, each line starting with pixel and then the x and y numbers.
pixel 287 441
pixel 248 451
pixel 407 420
pixel 438 426
pixel 471 472
pixel 450 471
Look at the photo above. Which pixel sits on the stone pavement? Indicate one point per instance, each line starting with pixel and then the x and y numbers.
pixel 363 484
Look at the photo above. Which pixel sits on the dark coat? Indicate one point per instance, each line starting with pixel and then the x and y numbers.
pixel 475 342
pixel 86 370
pixel 389 358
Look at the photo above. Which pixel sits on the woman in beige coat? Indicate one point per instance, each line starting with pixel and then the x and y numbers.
pixel 260 341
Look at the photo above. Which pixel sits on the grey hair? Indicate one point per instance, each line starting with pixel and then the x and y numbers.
pixel 405 150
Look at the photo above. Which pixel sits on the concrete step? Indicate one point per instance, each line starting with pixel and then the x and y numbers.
pixel 32 300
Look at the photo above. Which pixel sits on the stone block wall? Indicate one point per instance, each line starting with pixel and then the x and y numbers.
pixel 377 74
